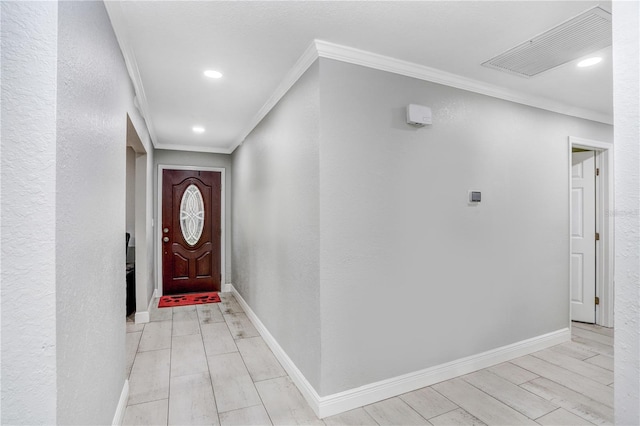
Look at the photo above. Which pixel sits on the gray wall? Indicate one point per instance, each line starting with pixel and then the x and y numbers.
pixel 63 194
pixel 431 278
pixel 199 159
pixel 354 241
pixel 29 59
pixel 275 226
pixel 93 98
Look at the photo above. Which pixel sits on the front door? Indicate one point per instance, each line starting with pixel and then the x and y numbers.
pixel 583 237
pixel 190 231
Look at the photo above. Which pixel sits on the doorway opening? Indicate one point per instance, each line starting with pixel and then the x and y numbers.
pixel 591 231
pixel 195 262
pixel 137 225
pixel 130 226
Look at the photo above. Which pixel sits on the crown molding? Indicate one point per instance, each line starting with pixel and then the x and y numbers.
pixel 119 24
pixel 302 64
pixel 193 148
pixel 385 63
pixel 322 49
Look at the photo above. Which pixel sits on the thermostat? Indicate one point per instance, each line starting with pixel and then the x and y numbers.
pixel 475 196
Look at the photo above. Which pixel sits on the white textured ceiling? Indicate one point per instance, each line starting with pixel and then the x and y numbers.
pixel 168 45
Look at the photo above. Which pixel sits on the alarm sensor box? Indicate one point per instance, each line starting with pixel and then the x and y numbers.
pixel 418 115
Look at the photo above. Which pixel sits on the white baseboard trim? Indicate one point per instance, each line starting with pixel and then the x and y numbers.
pixel 368 394
pixel 227 288
pixel 143 317
pixel 353 398
pixel 296 375
pixel 118 417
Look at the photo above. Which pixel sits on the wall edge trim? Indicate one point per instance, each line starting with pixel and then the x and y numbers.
pixel 192 148
pixel 119 24
pixel 354 398
pixel 378 391
pixel 143 317
pixel 301 382
pixel 323 49
pixel 434 75
pixel 302 64
pixel 118 417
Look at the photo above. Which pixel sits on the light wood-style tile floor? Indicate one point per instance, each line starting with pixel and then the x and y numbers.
pixel 207 364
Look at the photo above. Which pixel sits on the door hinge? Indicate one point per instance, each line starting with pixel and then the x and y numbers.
pixel 597 171
pixel 597 300
pixel 597 236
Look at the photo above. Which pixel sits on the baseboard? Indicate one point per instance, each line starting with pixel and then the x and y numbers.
pixel 227 288
pixel 143 317
pixel 118 417
pixel 353 398
pixel 368 394
pixel 301 382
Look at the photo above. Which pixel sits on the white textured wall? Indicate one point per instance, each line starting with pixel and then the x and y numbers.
pixel 411 276
pixel 29 56
pixel 626 51
pixel 199 159
pixel 94 95
pixel 275 225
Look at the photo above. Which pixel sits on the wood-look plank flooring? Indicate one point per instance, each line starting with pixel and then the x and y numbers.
pixel 207 364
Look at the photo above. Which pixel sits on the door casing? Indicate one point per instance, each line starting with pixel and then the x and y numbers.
pixel 158 222
pixel 583 242
pixel 604 225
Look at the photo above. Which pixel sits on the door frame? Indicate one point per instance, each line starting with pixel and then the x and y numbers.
pixel 604 225
pixel 223 220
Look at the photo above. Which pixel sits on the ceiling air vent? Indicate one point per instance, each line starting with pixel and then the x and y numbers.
pixel 586 33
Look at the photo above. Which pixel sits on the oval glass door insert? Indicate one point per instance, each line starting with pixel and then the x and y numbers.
pixel 192 215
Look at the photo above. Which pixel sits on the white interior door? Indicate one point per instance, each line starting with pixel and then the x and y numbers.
pixel 583 241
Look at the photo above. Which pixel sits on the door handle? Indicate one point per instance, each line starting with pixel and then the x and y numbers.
pixel 165 239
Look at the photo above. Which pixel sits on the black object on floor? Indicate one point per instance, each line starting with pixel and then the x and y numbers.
pixel 131 289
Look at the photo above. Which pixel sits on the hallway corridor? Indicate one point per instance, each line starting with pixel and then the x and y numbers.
pixel 207 364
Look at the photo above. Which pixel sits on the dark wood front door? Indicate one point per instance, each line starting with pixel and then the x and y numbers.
pixel 190 231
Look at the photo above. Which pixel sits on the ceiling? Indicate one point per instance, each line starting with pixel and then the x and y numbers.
pixel 167 46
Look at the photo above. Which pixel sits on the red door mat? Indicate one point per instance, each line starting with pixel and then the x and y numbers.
pixel 188 299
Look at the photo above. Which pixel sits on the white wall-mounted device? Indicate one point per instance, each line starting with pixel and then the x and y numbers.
pixel 418 115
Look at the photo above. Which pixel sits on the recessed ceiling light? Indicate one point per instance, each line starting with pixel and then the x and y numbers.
pixel 197 129
pixel 213 74
pixel 589 61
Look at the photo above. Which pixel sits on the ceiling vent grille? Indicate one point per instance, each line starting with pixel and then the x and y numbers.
pixel 584 34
